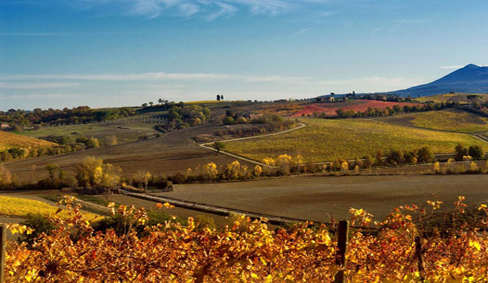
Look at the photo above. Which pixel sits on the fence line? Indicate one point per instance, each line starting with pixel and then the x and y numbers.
pixel 3 236
pixel 342 240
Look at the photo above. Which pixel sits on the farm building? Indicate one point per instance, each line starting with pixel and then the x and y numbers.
pixel 331 98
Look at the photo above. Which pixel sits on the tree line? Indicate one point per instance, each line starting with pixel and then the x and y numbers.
pixel 17 119
pixel 65 144
pixel 390 111
pixel 92 173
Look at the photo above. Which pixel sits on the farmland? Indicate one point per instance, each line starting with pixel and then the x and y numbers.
pixel 13 206
pixel 172 152
pixel 9 140
pixel 329 109
pixel 125 129
pixel 452 97
pixel 319 198
pixel 326 140
pixel 451 120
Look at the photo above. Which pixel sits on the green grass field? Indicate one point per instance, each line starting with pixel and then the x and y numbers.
pixel 326 140
pixel 451 120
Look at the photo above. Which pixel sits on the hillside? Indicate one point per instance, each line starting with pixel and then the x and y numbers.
pixel 469 79
pixel 173 152
pixel 326 140
pixel 450 120
pixel 461 98
pixel 9 140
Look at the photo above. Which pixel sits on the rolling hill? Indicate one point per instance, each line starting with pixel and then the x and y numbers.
pixel 9 140
pixel 469 79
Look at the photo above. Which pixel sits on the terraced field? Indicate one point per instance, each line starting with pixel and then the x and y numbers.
pixel 326 140
pixel 451 120
pixel 9 140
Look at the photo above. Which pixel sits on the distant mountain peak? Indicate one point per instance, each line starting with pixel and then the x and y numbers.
pixel 471 66
pixel 469 79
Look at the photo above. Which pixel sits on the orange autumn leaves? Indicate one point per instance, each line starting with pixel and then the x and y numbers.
pixel 250 251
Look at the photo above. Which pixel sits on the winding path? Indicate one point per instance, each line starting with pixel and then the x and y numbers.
pixel 208 145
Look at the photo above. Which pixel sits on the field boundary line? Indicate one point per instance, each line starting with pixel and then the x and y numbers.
pixel 226 211
pixel 207 145
pixel 214 209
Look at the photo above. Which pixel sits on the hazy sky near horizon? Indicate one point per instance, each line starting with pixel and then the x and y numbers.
pixel 60 53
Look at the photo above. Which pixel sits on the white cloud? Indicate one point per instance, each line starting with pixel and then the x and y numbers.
pixel 392 82
pixel 225 10
pixel 34 34
pixel 123 77
pixel 188 9
pixel 373 84
pixel 210 9
pixel 157 76
pixel 452 67
pixel 325 14
pixel 302 31
pixel 37 85
pixel 38 96
pixel 277 79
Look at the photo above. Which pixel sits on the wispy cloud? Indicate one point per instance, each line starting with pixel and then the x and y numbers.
pixel 37 85
pixel 38 96
pixel 34 34
pixel 375 84
pixel 325 14
pixel 67 34
pixel 372 83
pixel 277 79
pixel 452 67
pixel 209 9
pixel 158 76
pixel 122 77
pixel 224 10
pixel 302 31
pixel 401 24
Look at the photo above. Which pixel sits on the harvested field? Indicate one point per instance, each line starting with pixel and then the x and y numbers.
pixel 452 120
pixel 326 140
pixel 329 109
pixel 171 153
pixel 123 129
pixel 319 198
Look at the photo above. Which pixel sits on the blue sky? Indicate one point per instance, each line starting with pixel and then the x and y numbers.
pixel 60 53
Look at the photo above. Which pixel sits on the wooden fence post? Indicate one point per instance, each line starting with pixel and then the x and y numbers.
pixel 3 238
pixel 342 239
pixel 418 255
